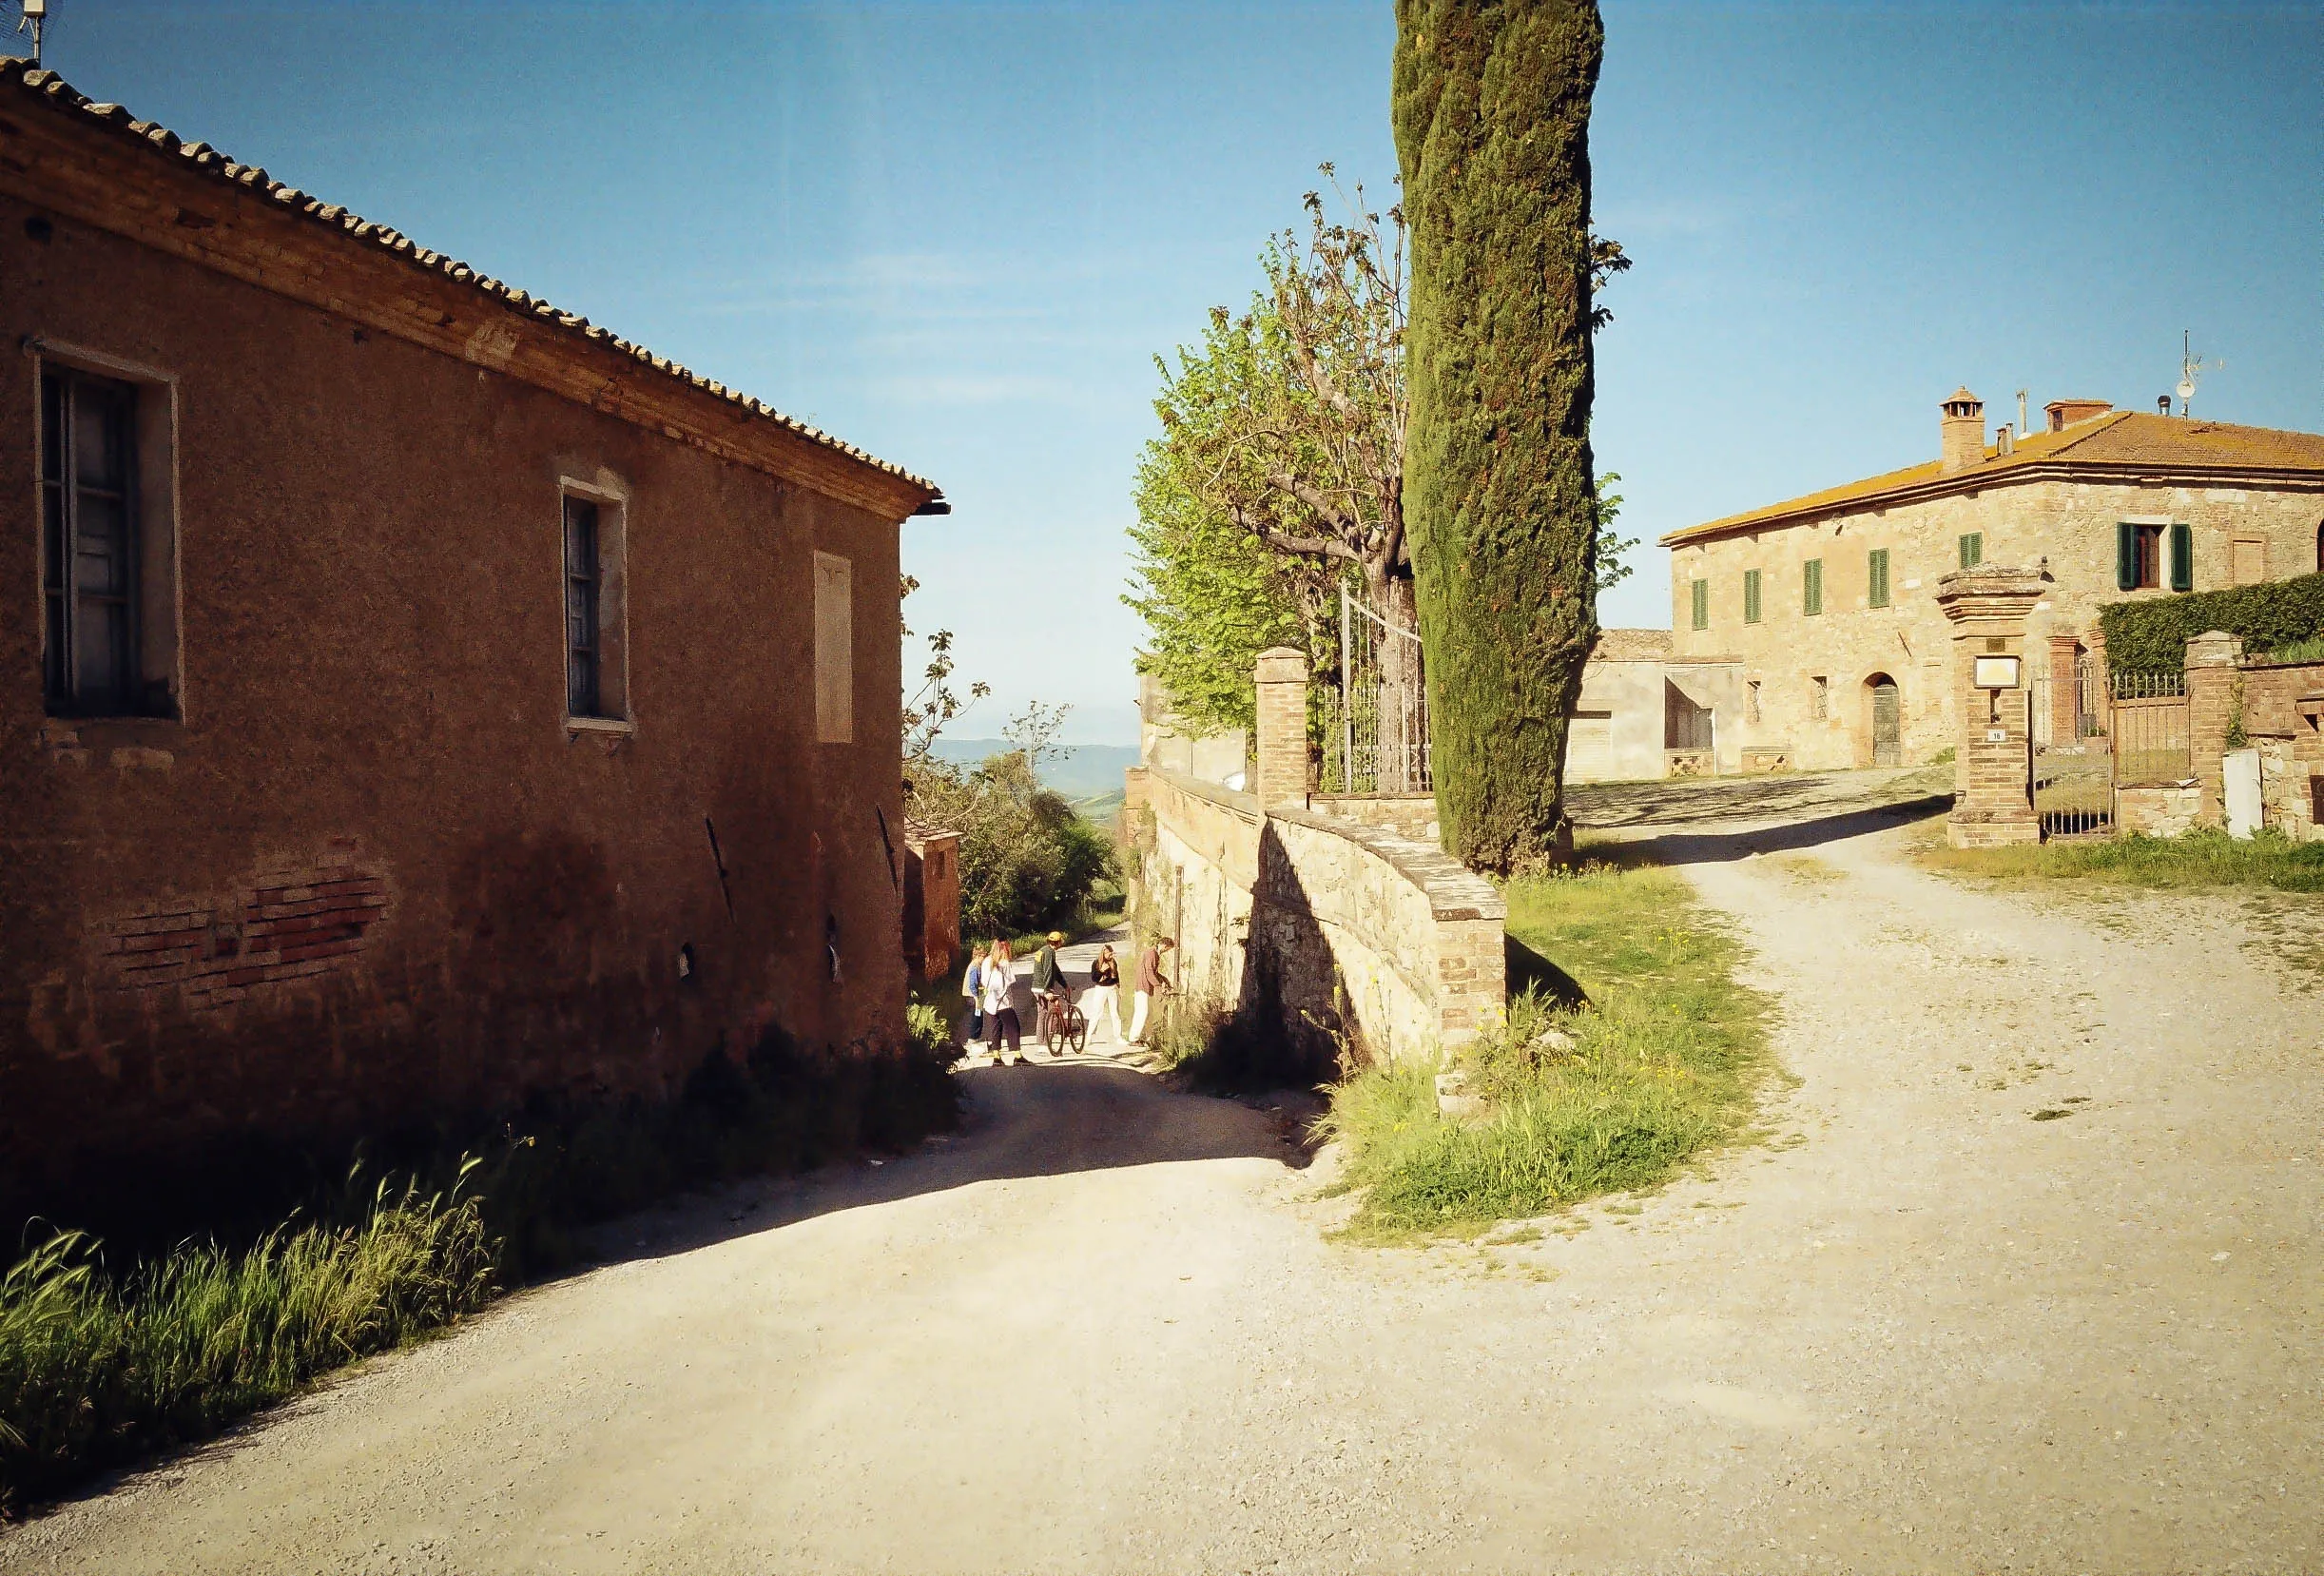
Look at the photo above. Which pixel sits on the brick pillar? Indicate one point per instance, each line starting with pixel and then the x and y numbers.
pixel 1993 781
pixel 2214 658
pixel 1282 776
pixel 2065 695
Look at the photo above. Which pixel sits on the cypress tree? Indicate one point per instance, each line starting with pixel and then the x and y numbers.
pixel 1492 112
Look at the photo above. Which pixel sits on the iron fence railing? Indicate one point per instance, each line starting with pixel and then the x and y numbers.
pixel 1376 722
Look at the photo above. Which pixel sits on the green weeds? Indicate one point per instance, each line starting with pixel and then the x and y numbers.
pixel 94 1372
pixel 1611 1093
pixel 2200 858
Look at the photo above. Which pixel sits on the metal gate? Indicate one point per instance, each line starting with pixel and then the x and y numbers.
pixel 1376 731
pixel 2101 733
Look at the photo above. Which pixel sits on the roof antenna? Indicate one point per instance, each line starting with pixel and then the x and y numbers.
pixel 2189 365
pixel 35 17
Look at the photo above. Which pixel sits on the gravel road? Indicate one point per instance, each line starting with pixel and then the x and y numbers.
pixel 1103 1329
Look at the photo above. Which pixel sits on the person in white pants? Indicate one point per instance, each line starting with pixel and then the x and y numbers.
pixel 1105 993
pixel 1152 982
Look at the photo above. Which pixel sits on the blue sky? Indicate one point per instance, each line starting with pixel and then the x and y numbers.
pixel 956 234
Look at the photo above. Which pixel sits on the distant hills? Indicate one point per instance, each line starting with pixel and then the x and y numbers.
pixel 1079 772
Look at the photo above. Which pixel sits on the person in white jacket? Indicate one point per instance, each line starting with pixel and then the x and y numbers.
pixel 996 994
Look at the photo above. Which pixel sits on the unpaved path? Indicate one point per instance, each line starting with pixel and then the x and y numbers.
pixel 1102 1331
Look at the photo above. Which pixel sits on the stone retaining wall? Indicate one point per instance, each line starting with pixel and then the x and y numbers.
pixel 1326 927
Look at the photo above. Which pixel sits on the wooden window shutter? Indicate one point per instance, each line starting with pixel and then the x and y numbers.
pixel 1702 604
pixel 1876 578
pixel 1751 596
pixel 1811 587
pixel 2182 557
pixel 2126 557
pixel 1972 549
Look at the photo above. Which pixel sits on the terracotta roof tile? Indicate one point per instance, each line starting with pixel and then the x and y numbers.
pixel 58 94
pixel 1631 645
pixel 2117 441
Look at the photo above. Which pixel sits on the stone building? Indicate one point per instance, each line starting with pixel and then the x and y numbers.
pixel 1821 606
pixel 414 699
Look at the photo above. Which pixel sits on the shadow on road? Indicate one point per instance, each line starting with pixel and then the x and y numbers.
pixel 1032 1120
pixel 1712 848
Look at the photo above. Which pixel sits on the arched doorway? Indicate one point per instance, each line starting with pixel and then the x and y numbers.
pixel 1885 717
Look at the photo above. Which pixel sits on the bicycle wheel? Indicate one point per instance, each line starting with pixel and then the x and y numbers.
pixel 1079 1029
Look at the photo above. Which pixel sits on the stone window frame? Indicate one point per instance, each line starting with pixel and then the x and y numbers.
pixel 157 523
pixel 1751 700
pixel 616 712
pixel 1819 697
pixel 2174 542
pixel 833 633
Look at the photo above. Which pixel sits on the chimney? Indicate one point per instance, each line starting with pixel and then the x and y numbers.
pixel 1963 431
pixel 2005 443
pixel 2064 413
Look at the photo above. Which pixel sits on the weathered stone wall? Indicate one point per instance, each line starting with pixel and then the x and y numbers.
pixel 2159 809
pixel 2071 525
pixel 1412 815
pixel 370 877
pixel 1327 926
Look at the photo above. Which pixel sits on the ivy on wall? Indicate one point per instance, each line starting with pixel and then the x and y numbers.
pixel 2151 636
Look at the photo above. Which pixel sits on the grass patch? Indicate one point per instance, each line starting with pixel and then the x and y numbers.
pixel 2200 859
pixel 105 1356
pixel 95 1372
pixel 1611 1094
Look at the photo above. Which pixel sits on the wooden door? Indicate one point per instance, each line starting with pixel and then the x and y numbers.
pixel 1887 748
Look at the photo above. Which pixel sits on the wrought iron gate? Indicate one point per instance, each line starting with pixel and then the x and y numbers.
pixel 1376 731
pixel 2101 733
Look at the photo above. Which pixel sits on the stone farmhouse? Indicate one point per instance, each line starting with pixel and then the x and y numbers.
pixel 1805 633
pixel 414 699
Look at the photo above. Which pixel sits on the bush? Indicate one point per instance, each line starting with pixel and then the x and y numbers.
pixel 1028 861
pixel 2151 636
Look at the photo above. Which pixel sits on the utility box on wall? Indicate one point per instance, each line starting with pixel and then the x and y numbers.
pixel 931 899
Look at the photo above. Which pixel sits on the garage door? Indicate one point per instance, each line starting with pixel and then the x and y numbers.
pixel 1589 748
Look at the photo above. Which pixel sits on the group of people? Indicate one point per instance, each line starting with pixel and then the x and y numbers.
pixel 990 984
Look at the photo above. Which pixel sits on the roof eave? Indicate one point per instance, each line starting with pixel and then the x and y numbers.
pixel 2295 478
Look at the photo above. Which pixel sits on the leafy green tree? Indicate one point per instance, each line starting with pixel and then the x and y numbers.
pixel 1491 104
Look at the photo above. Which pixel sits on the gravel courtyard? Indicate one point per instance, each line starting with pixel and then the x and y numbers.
pixel 2023 1276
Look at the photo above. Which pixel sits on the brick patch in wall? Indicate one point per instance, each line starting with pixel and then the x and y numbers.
pixel 287 923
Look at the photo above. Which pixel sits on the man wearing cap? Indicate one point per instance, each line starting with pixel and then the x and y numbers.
pixel 1048 975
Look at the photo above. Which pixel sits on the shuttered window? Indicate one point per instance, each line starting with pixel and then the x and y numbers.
pixel 1876 578
pixel 1811 587
pixel 1701 590
pixel 1972 549
pixel 2138 551
pixel 1751 596
pixel 584 613
pixel 90 547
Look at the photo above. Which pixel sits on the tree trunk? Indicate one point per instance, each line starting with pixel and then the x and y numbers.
pixel 1401 719
pixel 1492 108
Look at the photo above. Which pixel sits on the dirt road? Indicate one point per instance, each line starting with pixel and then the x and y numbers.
pixel 1102 1329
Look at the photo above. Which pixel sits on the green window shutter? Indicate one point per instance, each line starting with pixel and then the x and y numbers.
pixel 1811 587
pixel 1972 549
pixel 1751 596
pixel 1702 604
pixel 1876 578
pixel 2182 557
pixel 2126 557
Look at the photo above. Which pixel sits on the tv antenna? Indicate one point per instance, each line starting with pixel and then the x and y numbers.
pixel 35 18
pixel 2190 364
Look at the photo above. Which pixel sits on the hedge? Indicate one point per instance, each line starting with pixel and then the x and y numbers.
pixel 2151 636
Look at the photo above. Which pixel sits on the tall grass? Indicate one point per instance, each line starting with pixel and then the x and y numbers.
pixel 2198 859
pixel 1614 1092
pixel 103 1362
pixel 94 1371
